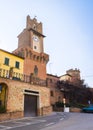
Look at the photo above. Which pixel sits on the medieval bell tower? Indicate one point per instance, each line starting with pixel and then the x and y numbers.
pixel 30 46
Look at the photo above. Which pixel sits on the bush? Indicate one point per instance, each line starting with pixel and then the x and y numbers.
pixel 78 105
pixel 81 105
pixel 61 104
pixel 2 109
pixel 67 105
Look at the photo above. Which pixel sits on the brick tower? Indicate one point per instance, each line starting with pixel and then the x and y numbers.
pixel 30 46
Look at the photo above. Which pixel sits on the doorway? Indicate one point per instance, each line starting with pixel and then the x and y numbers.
pixel 30 105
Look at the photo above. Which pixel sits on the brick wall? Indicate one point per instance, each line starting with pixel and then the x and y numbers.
pixel 11 115
pixel 15 96
pixel 29 63
pixel 46 110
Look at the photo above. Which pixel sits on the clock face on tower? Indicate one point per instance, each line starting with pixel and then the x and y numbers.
pixel 35 38
pixel 36 43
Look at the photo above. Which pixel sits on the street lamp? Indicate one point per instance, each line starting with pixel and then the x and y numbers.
pixel 64 101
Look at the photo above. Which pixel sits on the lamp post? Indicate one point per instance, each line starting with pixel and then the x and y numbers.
pixel 64 101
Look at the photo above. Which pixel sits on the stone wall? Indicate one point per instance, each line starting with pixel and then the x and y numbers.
pixel 15 96
pixel 46 110
pixel 10 115
pixel 73 109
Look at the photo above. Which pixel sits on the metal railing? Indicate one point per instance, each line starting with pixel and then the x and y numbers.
pixel 21 77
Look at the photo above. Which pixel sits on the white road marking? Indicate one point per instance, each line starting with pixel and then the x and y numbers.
pixel 20 123
pixel 5 127
pixel 50 124
pixel 61 119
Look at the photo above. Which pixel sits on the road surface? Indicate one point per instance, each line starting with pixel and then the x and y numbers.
pixel 55 121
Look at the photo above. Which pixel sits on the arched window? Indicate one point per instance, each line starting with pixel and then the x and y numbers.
pixel 26 53
pixel 3 91
pixel 35 70
pixel 34 27
pixel 30 54
pixel 22 51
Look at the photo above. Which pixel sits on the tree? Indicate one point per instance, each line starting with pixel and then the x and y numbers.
pixel 77 92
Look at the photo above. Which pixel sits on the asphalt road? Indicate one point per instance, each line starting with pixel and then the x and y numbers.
pixel 55 121
pixel 30 123
pixel 74 121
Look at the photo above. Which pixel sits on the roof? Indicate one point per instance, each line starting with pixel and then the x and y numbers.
pixel 11 53
pixel 66 75
pixel 36 32
pixel 53 75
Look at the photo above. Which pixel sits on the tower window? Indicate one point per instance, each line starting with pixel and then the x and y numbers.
pixel 6 61
pixel 51 93
pixel 35 47
pixel 34 27
pixel 35 70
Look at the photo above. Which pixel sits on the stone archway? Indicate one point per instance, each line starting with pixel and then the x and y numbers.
pixel 3 95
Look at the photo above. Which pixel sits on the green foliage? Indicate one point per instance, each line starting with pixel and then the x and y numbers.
pixel 2 109
pixel 78 105
pixel 81 105
pixel 76 92
pixel 61 104
pixel 68 105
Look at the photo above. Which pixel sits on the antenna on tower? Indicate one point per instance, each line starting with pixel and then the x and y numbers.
pixel 35 16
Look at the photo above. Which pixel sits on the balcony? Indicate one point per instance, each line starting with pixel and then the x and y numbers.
pixel 22 78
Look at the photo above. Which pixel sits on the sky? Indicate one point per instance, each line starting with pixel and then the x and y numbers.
pixel 67 25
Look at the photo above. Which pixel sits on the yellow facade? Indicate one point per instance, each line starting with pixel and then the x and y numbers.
pixel 65 77
pixel 14 62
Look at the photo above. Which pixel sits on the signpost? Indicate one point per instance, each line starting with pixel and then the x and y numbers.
pixel 66 109
pixel 64 101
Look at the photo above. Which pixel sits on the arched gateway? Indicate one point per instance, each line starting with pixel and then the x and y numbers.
pixel 3 97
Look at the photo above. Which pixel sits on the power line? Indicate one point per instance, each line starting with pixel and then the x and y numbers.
pixel 87 76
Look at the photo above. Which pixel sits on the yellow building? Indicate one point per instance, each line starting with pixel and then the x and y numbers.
pixel 10 64
pixel 17 90
pixel 65 77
